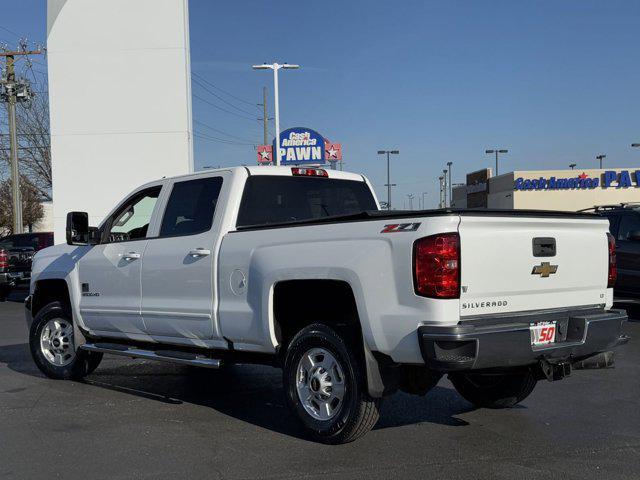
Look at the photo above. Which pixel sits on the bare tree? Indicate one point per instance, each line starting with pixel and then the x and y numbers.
pixel 32 210
pixel 34 144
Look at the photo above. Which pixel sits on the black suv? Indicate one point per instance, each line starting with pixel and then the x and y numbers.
pixel 16 252
pixel 624 224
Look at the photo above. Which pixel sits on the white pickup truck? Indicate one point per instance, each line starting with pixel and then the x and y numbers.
pixel 298 268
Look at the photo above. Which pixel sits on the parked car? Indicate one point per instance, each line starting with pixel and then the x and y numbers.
pixel 624 225
pixel 297 268
pixel 16 252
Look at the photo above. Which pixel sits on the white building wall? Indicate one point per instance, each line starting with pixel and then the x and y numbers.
pixel 120 100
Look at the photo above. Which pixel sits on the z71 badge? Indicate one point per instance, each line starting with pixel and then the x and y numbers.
pixel 400 227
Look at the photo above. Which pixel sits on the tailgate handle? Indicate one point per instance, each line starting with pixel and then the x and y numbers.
pixel 544 247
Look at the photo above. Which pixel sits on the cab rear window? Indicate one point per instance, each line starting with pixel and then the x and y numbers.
pixel 270 199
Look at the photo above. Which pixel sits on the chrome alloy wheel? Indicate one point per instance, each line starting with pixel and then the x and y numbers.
pixel 56 342
pixel 320 383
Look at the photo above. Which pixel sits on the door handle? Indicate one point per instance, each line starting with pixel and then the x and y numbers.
pixel 131 256
pixel 199 252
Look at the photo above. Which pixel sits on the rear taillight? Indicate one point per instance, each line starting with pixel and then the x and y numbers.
pixel 4 259
pixel 436 266
pixel 613 269
pixel 309 172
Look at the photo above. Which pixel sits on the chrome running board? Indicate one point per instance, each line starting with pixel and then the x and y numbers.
pixel 169 356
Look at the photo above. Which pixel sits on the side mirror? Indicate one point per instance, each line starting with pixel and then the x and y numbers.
pixel 78 231
pixel 634 235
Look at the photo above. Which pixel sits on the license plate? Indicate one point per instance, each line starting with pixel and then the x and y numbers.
pixel 542 333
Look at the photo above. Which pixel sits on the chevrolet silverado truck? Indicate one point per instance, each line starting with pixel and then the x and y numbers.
pixel 298 268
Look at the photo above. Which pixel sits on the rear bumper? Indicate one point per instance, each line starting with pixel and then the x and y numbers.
pixel 506 342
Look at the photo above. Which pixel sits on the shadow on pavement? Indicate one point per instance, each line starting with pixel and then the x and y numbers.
pixel 251 393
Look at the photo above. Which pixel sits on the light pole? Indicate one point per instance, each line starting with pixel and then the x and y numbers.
pixel 275 67
pixel 496 151
pixel 572 166
pixel 441 191
pixel 601 157
pixel 450 184
pixel 389 184
pixel 423 204
pixel 444 178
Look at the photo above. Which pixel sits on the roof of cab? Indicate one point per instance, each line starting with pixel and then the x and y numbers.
pixel 264 170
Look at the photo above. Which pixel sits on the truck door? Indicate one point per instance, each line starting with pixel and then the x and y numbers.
pixel 179 267
pixel 109 273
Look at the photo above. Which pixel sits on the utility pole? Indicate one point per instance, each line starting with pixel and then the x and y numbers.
pixel 14 91
pixel 265 119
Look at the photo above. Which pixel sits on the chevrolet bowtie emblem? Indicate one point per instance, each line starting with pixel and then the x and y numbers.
pixel 544 269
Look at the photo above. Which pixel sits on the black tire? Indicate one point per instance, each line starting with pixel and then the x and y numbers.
pixel 82 364
pixel 494 390
pixel 357 413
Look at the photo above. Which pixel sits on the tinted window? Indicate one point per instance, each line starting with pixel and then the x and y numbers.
pixel 131 221
pixel 191 207
pixel 7 242
pixel 613 223
pixel 270 199
pixel 628 223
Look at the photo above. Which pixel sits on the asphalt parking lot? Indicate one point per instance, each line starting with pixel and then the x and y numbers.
pixel 137 419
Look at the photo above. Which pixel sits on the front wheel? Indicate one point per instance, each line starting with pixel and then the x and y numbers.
pixel 325 386
pixel 494 390
pixel 53 349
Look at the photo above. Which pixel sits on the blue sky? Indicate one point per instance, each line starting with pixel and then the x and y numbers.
pixel 555 82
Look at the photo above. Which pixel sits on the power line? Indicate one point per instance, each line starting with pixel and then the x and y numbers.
pixel 223 91
pixel 10 31
pixel 223 132
pixel 220 98
pixel 220 140
pixel 223 109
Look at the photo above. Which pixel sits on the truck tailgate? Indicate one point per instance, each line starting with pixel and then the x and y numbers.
pixel 508 263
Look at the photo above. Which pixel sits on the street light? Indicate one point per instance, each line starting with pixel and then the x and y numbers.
pixel 572 166
pixel 388 184
pixel 275 67
pixel 444 173
pixel 423 203
pixel 600 157
pixel 635 144
pixel 496 151
pixel 450 187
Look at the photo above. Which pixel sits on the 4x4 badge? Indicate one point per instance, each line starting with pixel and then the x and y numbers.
pixel 544 269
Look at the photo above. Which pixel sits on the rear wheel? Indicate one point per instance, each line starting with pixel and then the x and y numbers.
pixel 494 390
pixel 326 386
pixel 52 345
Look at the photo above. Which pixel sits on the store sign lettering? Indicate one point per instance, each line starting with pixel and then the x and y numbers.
pixel 610 179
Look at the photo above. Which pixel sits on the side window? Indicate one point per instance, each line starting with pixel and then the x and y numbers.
pixel 131 221
pixel 7 242
pixel 614 220
pixel 191 207
pixel 628 223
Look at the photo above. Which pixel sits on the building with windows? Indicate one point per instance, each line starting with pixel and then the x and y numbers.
pixel 569 190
